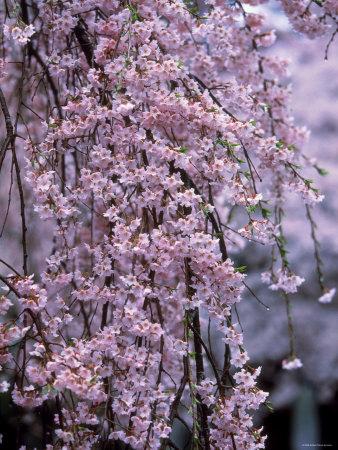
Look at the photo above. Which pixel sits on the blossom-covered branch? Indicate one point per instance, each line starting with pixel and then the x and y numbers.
pixel 143 123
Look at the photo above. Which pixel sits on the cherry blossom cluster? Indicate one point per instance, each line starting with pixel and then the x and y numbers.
pixel 160 120
pixel 313 18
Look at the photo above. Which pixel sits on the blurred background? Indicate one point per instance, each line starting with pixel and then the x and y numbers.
pixel 305 401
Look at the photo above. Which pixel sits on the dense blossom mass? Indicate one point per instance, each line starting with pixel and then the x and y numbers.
pixel 146 125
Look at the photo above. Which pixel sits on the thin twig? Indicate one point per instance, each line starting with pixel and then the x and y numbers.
pixel 329 44
pixel 316 245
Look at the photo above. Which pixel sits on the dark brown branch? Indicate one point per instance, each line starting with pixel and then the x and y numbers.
pixel 175 404
pixel 50 80
pixel 202 408
pixel 215 99
pixel 9 128
pixel 207 352
pixel 188 182
pixel 22 213
pixel 85 44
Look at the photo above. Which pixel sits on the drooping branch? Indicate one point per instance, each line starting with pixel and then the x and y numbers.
pixel 9 128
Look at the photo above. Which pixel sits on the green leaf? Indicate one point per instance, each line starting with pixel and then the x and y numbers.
pixel 251 208
pixel 49 389
pixel 308 182
pixel 281 240
pixel 192 7
pixel 266 213
pixel 205 209
pixel 192 355
pixel 226 144
pixel 240 161
pixel 183 149
pixel 322 171
pixel 70 342
pixel 118 87
pixel 269 406
pixel 180 64
pixel 194 401
pixel 212 109
pixel 133 13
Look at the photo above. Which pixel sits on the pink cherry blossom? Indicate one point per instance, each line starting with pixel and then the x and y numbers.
pixel 144 127
pixel 327 296
pixel 292 363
